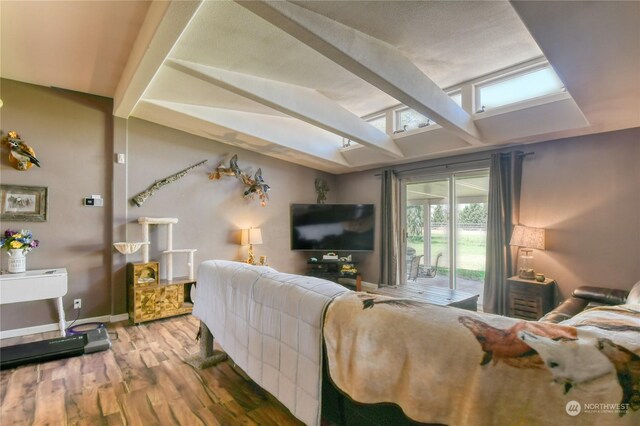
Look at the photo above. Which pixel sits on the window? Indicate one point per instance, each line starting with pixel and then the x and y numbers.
pixel 379 122
pixel 408 119
pixel 530 84
pixel 414 120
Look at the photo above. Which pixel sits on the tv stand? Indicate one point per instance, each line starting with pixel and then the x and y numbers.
pixel 331 270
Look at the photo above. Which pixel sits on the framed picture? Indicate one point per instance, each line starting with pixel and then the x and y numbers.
pixel 23 203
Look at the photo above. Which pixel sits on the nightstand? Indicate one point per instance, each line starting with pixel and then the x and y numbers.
pixel 530 299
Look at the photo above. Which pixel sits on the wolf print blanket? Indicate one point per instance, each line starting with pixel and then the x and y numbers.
pixel 450 366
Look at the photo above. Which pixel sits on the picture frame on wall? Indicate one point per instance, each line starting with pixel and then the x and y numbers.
pixel 23 203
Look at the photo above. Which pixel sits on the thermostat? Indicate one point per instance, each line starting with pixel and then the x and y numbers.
pixel 93 201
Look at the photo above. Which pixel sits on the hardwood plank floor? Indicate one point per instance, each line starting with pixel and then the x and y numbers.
pixel 142 380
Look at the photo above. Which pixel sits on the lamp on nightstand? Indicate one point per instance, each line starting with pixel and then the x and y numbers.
pixel 527 239
pixel 251 236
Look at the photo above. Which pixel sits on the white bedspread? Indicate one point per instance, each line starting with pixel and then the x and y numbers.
pixel 270 324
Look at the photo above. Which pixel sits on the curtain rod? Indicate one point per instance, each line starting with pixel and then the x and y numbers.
pixel 523 154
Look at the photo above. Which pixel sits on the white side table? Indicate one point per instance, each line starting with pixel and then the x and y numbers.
pixel 36 285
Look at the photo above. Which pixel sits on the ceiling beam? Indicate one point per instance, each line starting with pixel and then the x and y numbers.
pixel 300 102
pixel 162 27
pixel 373 60
pixel 287 137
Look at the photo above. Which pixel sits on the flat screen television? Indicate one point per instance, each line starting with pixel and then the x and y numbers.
pixel 332 227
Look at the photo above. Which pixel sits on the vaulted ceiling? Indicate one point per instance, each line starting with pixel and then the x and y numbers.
pixel 293 79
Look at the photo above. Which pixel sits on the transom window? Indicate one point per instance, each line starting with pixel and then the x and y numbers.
pixel 533 83
pixel 514 86
pixel 408 119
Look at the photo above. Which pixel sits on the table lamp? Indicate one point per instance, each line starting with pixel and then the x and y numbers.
pixel 251 236
pixel 527 239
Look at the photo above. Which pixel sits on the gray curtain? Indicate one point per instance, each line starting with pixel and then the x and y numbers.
pixel 504 212
pixel 390 229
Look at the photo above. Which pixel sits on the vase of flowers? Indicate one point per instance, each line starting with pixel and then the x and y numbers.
pixel 18 244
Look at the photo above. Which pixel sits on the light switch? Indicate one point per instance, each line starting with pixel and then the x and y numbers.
pixel 120 158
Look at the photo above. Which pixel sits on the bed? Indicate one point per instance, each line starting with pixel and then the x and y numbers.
pixel 270 324
pixel 438 364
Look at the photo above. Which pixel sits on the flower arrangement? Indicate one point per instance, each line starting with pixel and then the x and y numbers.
pixel 21 240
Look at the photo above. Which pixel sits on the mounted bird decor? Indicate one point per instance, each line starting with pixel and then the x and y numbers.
pixel 255 185
pixel 21 155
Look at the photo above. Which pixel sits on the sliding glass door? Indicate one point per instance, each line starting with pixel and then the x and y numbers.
pixel 445 226
pixel 427 228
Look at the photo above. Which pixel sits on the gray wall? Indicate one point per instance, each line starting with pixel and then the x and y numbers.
pixel 585 191
pixel 71 134
pixel 212 212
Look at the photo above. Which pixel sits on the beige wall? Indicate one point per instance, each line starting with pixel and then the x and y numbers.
pixel 364 187
pixel 585 191
pixel 71 134
pixel 211 213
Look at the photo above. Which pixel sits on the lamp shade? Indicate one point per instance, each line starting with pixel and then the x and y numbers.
pixel 525 236
pixel 251 236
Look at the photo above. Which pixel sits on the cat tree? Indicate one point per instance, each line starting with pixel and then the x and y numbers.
pixel 170 251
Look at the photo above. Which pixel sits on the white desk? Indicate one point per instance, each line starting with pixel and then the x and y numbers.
pixel 36 285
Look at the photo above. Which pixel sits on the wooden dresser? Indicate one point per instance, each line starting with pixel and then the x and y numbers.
pixel 151 298
pixel 530 299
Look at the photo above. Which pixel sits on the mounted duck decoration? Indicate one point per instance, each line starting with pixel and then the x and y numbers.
pixel 21 156
pixel 255 185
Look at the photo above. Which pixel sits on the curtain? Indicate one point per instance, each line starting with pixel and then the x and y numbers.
pixel 503 214
pixel 390 229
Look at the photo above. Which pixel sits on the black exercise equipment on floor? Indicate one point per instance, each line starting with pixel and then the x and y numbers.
pixel 94 340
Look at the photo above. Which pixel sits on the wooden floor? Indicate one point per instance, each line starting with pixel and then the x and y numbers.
pixel 142 380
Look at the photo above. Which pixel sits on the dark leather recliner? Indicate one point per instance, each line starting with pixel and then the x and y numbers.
pixel 585 297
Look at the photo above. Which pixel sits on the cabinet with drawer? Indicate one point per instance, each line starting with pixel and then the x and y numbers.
pixel 151 298
pixel 529 299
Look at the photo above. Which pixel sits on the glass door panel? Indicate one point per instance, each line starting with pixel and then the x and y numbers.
pixel 471 198
pixel 427 230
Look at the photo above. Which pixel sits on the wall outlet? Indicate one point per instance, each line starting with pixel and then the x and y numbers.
pixel 77 303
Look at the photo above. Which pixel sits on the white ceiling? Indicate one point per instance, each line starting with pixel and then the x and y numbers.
pixel 303 72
